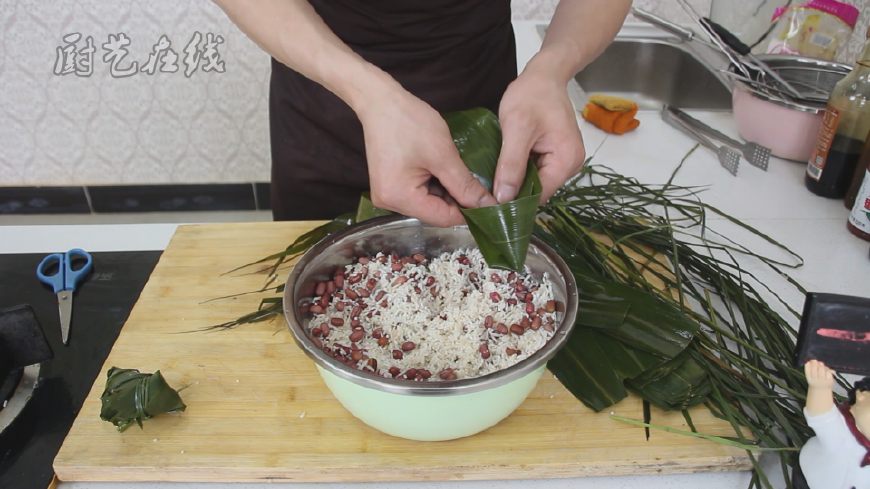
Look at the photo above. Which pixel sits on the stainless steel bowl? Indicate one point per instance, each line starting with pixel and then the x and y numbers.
pixel 426 411
pixel 407 236
pixel 813 78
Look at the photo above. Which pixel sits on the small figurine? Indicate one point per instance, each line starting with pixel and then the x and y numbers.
pixel 838 457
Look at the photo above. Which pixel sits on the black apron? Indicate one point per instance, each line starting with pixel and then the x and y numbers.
pixel 453 54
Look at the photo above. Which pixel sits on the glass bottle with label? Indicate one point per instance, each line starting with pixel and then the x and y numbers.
pixel 859 218
pixel 858 176
pixel 845 126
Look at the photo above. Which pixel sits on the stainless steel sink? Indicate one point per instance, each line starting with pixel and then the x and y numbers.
pixel 653 72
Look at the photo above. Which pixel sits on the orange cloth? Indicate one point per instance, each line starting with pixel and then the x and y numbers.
pixel 614 122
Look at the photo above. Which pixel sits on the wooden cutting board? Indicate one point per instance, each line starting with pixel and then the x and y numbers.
pixel 258 411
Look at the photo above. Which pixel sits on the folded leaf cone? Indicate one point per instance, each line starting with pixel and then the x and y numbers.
pixel 132 396
pixel 503 231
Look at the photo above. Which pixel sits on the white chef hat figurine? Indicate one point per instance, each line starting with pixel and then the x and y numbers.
pixel 838 457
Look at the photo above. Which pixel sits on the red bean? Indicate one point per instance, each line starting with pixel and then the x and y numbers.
pixel 380 295
pixel 354 278
pixel 372 363
pixel 339 306
pixel 394 371
pixel 408 346
pixel 417 290
pixel 517 329
pixel 396 266
pixel 495 296
pixel 324 328
pixel 316 331
pixel 430 281
pixel 512 301
pixel 371 283
pixel 354 313
pixel 362 292
pixel 472 277
pixel 487 322
pixel 377 333
pixel 501 328
pixel 525 322
pixel 330 287
pixel 400 280
pixel 550 306
pixel 339 281
pixel 512 276
pixel 528 297
pixel 484 350
pixel 511 351
pixel 336 321
pixel 530 308
pixel 398 355
pixel 356 355
pixel 536 323
pixel 411 373
pixel 315 309
pixel 384 303
pixel 320 288
pixel 355 324
pixel 357 335
pixel 316 342
pixel 383 341
pixel 447 374
pixel 422 372
pixel 351 294
pixel 463 260
pixel 418 257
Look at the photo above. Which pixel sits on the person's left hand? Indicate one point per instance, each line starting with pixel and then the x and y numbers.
pixel 536 116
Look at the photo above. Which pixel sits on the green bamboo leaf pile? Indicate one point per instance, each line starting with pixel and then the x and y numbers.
pixel 502 232
pixel 132 397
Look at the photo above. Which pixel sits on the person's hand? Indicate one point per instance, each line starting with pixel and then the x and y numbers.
pixel 407 144
pixel 818 375
pixel 536 116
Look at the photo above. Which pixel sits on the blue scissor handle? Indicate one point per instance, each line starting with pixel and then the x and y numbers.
pixel 73 277
pixel 65 278
pixel 55 280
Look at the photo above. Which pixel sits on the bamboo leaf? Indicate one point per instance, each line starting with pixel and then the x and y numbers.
pixel 367 210
pixel 502 232
pixel 131 396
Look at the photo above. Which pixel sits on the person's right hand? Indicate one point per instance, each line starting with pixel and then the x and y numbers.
pixel 407 144
pixel 819 375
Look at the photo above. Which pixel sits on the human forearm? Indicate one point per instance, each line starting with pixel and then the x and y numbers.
pixel 293 33
pixel 579 32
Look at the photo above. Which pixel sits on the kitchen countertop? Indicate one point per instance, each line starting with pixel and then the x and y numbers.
pixel 774 201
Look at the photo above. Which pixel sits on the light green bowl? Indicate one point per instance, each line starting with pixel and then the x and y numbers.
pixel 434 410
pixel 431 418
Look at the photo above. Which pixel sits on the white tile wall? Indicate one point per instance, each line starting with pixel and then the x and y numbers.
pixel 166 127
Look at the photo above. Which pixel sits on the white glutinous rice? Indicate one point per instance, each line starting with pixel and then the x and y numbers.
pixel 447 318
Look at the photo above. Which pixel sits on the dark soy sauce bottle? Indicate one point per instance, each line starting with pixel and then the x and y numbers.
pixel 844 127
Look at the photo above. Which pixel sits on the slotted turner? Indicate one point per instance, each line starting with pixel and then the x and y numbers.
pixel 728 157
pixel 756 154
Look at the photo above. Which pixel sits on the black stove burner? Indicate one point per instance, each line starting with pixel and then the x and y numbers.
pixel 102 303
pixel 8 385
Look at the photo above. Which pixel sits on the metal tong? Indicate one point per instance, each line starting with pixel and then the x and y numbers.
pixel 756 154
pixel 728 158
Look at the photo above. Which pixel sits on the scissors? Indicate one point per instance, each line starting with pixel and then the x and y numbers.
pixel 64 281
